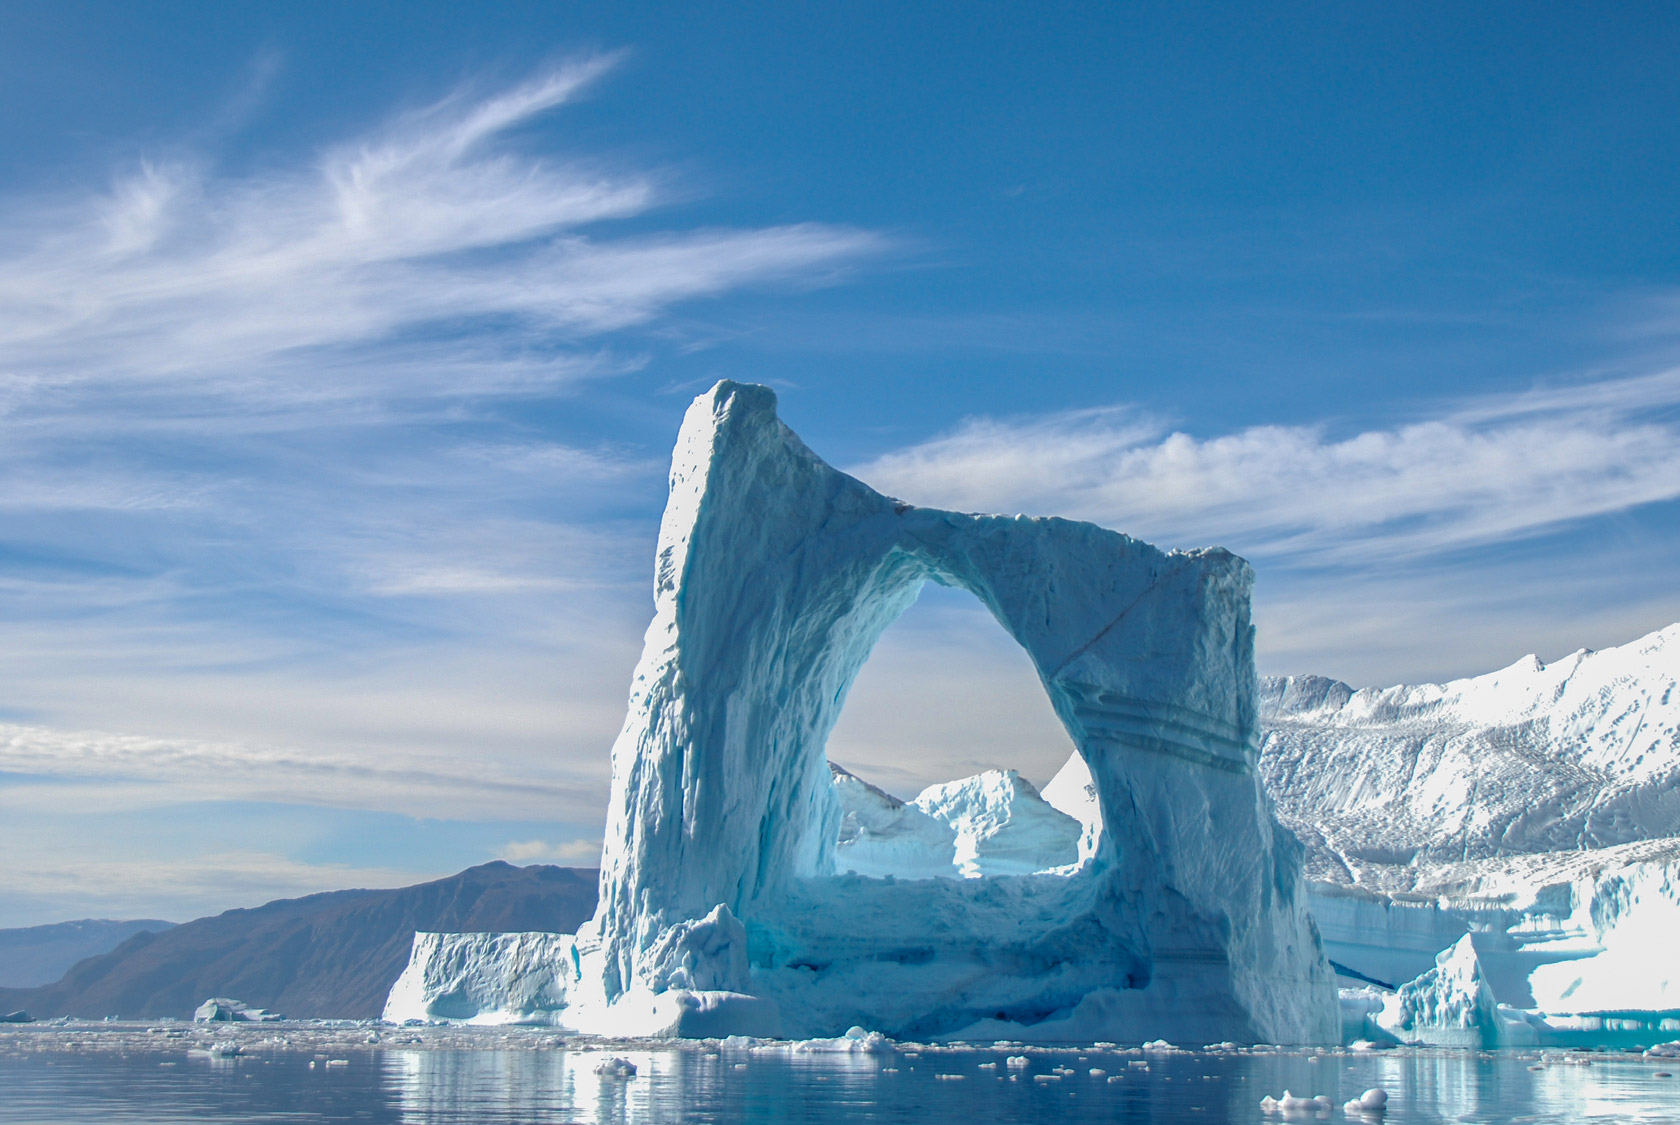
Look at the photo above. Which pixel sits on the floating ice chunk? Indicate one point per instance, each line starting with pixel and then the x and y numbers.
pixel 616 1067
pixel 1374 1100
pixel 1291 1105
pixel 856 1041
pixel 1448 1006
pixel 219 1009
pixel 483 978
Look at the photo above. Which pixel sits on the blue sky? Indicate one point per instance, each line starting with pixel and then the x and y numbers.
pixel 342 348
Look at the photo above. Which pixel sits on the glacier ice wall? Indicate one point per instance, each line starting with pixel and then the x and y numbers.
pixel 489 978
pixel 1535 808
pixel 775 575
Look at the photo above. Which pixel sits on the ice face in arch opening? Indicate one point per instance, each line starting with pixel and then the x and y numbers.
pixel 993 823
pixel 720 907
pixel 920 724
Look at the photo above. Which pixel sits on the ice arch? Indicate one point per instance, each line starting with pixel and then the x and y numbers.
pixel 719 907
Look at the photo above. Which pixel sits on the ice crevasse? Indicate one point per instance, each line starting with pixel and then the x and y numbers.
pixel 732 898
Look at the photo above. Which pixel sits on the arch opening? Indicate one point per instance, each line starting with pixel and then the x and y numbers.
pixel 942 750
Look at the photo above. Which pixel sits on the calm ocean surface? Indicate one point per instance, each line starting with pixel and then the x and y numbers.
pixel 61 1076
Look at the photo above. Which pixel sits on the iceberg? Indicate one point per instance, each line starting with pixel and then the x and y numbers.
pixel 881 835
pixel 1533 812
pixel 1626 919
pixel 1579 754
pixel 220 1009
pixel 1450 1005
pixel 748 888
pixel 489 978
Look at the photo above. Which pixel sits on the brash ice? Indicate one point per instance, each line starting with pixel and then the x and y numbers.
pixel 722 907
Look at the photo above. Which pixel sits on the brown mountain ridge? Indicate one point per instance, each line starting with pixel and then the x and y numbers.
pixel 330 955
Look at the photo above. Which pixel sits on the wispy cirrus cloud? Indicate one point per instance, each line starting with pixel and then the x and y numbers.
pixel 278 282
pixel 1448 544
pixel 1484 471
pixel 285 518
pixel 582 851
pixel 93 770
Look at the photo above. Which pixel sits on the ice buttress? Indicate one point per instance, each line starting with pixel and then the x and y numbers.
pixel 721 909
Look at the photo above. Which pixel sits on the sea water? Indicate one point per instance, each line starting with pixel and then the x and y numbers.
pixel 294 1073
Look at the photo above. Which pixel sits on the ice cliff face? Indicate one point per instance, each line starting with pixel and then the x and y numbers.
pixel 484 978
pixel 723 902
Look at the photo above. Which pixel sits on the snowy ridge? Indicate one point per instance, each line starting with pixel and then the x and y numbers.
pixel 1578 754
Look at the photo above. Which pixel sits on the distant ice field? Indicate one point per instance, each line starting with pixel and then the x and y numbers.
pixel 309 1073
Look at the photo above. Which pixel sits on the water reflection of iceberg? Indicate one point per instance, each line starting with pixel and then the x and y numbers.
pixel 531 1085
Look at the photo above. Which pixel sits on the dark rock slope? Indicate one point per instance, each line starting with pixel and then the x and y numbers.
pixel 327 955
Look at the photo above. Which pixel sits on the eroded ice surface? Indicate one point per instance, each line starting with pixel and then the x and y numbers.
pixel 1496 856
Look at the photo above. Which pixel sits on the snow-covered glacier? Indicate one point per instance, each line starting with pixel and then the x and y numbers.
pixel 1580 753
pixel 749 888
pixel 1533 812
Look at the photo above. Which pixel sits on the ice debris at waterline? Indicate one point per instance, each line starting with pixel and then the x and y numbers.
pixel 1374 1100
pixel 1292 1105
pixel 723 909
